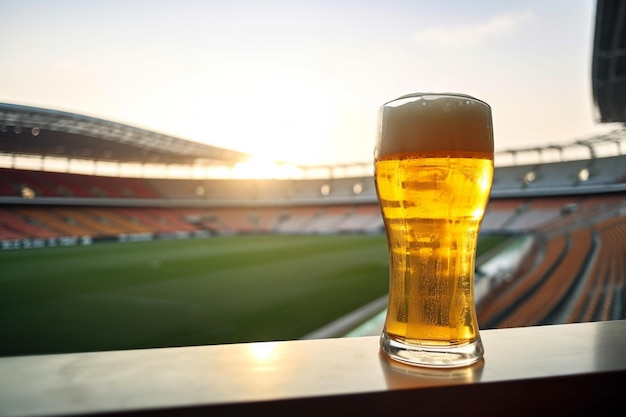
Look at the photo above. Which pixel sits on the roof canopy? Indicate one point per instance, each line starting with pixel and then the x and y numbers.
pixel 37 131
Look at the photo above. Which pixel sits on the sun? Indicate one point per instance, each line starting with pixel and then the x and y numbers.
pixel 276 113
pixel 260 168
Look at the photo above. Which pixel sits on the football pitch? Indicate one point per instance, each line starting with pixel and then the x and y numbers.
pixel 165 293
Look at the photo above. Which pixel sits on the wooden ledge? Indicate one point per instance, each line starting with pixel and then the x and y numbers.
pixel 551 370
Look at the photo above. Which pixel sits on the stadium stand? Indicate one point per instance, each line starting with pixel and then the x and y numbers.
pixel 572 254
pixel 601 299
pixel 572 207
pixel 575 271
pixel 16 227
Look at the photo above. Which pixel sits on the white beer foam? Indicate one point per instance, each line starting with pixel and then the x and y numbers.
pixel 435 122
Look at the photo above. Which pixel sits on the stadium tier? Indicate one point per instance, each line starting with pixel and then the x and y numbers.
pixel 572 268
pixel 38 204
pixel 569 213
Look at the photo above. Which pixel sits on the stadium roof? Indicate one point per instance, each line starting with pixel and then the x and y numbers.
pixel 37 131
pixel 609 61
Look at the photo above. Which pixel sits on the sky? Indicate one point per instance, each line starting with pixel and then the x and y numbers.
pixel 301 81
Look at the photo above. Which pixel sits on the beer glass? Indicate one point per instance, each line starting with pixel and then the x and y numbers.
pixel 433 166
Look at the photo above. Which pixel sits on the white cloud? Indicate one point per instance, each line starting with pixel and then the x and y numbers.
pixel 473 34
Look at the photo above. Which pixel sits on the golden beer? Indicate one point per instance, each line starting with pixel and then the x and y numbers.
pixel 433 172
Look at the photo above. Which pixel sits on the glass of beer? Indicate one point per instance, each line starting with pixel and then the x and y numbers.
pixel 433 166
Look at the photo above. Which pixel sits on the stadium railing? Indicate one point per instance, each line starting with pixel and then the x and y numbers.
pixel 555 370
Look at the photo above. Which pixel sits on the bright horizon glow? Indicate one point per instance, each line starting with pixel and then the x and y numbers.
pixel 258 168
pixel 301 82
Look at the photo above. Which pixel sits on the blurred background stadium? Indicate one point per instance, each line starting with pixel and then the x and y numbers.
pixel 118 237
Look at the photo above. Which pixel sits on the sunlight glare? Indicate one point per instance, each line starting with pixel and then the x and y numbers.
pixel 277 113
pixel 259 168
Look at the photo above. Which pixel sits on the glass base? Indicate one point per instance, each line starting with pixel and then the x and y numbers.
pixel 432 356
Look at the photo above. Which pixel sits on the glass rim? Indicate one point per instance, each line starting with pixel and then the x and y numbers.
pixel 418 95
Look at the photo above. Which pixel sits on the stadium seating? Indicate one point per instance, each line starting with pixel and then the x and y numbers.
pixel 59 184
pixel 601 299
pixel 579 262
pixel 25 226
pixel 575 270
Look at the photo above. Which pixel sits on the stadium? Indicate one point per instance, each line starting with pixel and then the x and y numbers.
pixel 556 224
pixel 564 220
pixel 79 193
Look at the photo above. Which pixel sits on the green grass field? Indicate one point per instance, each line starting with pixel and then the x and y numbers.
pixel 227 289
